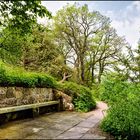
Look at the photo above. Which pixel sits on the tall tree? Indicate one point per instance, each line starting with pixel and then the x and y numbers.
pixel 76 25
pixel 137 58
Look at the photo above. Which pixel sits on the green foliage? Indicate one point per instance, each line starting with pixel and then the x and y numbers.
pixel 11 44
pixel 45 80
pixel 82 96
pixel 21 14
pixel 123 119
pixel 44 55
pixel 10 76
pixel 2 73
pixel 95 88
pixel 112 89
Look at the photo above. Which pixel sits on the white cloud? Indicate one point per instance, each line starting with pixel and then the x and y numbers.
pixel 130 31
pixel 136 4
pixel 127 22
pixel 54 6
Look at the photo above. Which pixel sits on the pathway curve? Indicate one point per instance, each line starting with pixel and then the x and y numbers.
pixel 60 125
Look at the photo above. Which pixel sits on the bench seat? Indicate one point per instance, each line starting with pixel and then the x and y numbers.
pixel 25 107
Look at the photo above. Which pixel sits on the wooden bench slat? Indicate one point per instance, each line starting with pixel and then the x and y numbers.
pixel 25 107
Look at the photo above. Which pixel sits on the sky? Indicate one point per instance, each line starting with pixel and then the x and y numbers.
pixel 125 15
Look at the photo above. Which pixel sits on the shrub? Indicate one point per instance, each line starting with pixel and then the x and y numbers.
pixel 45 80
pixel 123 118
pixel 10 76
pixel 111 90
pixel 82 96
pixel 23 80
pixel 95 88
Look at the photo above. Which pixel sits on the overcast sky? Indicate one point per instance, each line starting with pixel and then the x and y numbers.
pixel 125 15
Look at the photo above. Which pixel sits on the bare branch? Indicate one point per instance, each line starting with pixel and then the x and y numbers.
pixel 65 77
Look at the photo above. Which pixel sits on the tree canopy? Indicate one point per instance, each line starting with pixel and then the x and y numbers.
pixel 77 42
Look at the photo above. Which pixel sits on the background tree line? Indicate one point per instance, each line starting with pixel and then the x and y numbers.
pixel 76 45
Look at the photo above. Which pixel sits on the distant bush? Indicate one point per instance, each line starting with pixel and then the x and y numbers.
pixel 123 119
pixel 82 96
pixel 95 88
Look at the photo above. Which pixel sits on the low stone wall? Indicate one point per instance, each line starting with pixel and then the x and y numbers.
pixel 15 96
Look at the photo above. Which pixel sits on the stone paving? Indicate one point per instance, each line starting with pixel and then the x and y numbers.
pixel 59 125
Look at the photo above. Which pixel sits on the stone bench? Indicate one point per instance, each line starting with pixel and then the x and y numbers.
pixel 35 108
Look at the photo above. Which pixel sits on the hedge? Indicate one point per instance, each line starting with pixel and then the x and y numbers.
pixel 10 76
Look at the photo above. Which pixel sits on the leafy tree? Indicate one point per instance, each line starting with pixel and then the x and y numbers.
pixel 88 41
pixel 76 25
pixel 40 53
pixel 107 44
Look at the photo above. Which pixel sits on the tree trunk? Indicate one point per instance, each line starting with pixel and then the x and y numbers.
pixel 92 74
pixel 82 69
pixel 101 68
pixel 77 66
pixel 92 71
